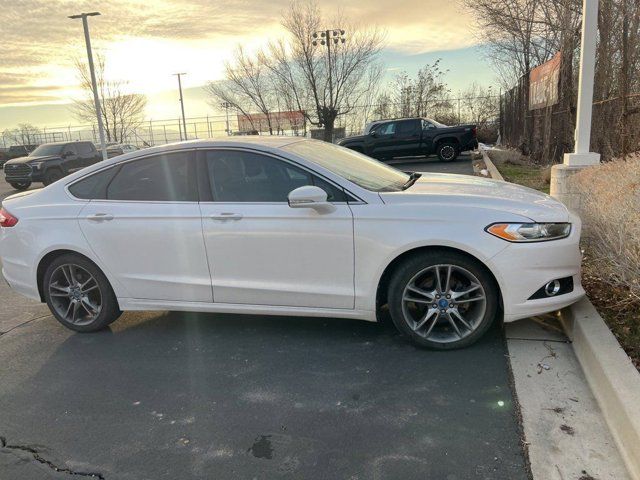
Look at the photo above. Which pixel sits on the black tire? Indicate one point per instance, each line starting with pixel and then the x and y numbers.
pixel 52 175
pixel 20 185
pixel 109 309
pixel 412 267
pixel 447 151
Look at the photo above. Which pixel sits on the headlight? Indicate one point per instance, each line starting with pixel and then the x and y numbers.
pixel 35 165
pixel 529 232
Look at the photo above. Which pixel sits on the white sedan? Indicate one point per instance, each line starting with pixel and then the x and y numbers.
pixel 288 226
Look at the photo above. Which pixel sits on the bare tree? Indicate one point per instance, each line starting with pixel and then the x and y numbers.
pixel 298 75
pixel 24 134
pixel 122 112
pixel 324 87
pixel 248 84
pixel 426 94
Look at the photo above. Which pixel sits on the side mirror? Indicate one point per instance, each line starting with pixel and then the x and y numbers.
pixel 310 196
pixel 373 134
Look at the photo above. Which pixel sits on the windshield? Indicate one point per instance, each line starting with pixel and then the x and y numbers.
pixel 44 150
pixel 353 166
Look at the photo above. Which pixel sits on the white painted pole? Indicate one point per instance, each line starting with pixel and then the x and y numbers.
pixel 582 155
pixel 94 86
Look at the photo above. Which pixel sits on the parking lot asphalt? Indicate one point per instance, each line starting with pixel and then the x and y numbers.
pixel 180 396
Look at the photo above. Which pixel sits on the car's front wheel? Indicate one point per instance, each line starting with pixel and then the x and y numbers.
pixel 78 294
pixel 442 300
pixel 20 185
pixel 52 175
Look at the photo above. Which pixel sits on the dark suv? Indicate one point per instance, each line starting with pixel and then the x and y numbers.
pixel 50 162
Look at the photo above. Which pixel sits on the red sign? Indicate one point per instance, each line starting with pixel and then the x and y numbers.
pixel 543 83
pixel 280 121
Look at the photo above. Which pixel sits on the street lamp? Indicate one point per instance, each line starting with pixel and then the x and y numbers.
pixel 184 122
pixel 226 106
pixel 94 87
pixel 326 38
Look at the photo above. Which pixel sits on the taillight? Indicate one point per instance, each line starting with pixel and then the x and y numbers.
pixel 474 131
pixel 6 219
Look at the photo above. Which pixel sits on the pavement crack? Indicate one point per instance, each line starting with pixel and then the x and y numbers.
pixel 40 459
pixel 24 323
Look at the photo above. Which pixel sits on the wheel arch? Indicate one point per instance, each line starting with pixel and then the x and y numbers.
pixel 47 259
pixel 383 282
pixel 446 139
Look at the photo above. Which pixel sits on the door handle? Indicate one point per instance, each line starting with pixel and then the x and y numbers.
pixel 226 216
pixel 100 217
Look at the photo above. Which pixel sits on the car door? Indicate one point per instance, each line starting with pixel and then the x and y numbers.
pixel 429 131
pixel 144 225
pixel 87 153
pixel 263 252
pixel 407 138
pixel 382 140
pixel 70 158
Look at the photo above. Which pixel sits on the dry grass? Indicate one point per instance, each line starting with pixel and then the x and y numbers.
pixel 610 212
pixel 516 168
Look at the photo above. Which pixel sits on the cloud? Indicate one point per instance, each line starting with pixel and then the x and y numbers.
pixel 39 42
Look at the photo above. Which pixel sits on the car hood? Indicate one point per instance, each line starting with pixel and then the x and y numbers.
pixel 466 190
pixel 31 159
pixel 352 138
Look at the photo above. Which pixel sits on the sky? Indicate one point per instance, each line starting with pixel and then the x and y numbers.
pixel 144 42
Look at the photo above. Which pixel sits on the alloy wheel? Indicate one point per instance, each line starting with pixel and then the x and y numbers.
pixel 444 303
pixel 75 294
pixel 447 152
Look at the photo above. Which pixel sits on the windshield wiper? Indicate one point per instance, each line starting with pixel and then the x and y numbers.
pixel 412 179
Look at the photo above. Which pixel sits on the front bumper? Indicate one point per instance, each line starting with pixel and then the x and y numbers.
pixel 22 173
pixel 522 268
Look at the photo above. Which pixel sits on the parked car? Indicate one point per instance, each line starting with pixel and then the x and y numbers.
pixel 115 149
pixel 406 137
pixel 14 151
pixel 290 226
pixel 50 162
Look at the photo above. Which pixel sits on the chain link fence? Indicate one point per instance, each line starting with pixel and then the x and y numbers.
pixel 545 134
pixel 482 111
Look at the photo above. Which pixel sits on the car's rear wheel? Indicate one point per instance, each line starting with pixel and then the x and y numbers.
pixel 20 185
pixel 78 294
pixel 447 151
pixel 442 300
pixel 52 175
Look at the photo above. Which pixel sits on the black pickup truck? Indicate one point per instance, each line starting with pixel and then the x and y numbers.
pixel 50 162
pixel 406 137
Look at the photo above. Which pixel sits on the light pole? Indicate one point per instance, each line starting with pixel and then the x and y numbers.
pixel 561 187
pixel 94 86
pixel 184 121
pixel 326 38
pixel 226 106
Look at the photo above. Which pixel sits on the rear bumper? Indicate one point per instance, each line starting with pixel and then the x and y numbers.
pixel 471 145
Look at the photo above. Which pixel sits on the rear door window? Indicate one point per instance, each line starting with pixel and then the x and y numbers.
pixel 84 148
pixel 407 127
pixel 159 178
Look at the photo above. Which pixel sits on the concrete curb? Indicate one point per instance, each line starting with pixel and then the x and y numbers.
pixel 493 171
pixel 614 380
